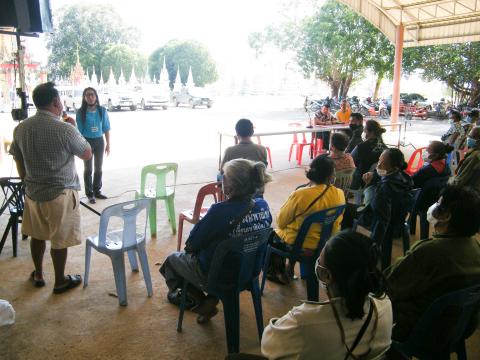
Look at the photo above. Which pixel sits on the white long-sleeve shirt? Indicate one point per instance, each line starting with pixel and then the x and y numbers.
pixel 309 331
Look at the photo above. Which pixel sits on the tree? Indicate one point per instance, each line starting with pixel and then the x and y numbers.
pixel 88 30
pixel 123 57
pixel 184 53
pixel 458 65
pixel 335 44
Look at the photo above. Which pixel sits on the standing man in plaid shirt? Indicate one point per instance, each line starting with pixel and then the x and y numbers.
pixel 44 148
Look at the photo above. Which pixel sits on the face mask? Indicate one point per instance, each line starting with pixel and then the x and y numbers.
pixel 364 137
pixel 471 143
pixel 381 172
pixel 354 127
pixel 469 119
pixel 430 218
pixel 450 121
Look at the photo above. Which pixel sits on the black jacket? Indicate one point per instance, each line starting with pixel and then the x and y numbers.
pixel 365 155
pixel 390 204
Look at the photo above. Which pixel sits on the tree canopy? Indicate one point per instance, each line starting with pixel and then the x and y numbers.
pixel 184 53
pixel 335 44
pixel 458 65
pixel 122 57
pixel 90 30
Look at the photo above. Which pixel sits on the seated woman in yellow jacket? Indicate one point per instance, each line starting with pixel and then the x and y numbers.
pixel 316 196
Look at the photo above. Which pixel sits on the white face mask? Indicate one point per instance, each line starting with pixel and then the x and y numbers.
pixel 381 172
pixel 430 218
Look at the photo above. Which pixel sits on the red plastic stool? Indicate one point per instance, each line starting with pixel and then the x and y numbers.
pixel 299 146
pixel 413 167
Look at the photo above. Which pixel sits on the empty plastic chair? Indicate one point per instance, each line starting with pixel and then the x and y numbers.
pixel 259 142
pixel 235 267
pixel 413 164
pixel 307 257
pixel 298 145
pixel 343 180
pixel 160 192
pixel 443 327
pixel 196 214
pixel 13 201
pixel 114 243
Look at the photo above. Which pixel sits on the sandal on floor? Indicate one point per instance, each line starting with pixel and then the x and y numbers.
pixel 175 297
pixel 72 282
pixel 36 283
pixel 204 318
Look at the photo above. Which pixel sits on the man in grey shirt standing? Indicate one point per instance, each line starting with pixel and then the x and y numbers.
pixel 44 149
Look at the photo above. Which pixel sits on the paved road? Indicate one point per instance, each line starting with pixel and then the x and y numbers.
pixel 190 136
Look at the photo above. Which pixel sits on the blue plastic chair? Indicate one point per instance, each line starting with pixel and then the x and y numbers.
pixel 235 267
pixel 307 257
pixel 130 238
pixel 443 327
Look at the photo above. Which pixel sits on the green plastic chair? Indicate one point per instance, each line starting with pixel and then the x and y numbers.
pixel 160 192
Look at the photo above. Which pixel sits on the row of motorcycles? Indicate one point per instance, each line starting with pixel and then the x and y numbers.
pixel 366 107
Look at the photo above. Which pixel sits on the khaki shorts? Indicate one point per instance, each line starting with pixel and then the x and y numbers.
pixel 57 220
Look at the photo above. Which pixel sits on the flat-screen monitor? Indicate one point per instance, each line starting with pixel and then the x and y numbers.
pixel 30 16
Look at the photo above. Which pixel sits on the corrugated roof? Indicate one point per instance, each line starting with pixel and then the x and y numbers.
pixel 425 22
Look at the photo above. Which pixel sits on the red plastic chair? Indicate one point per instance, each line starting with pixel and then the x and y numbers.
pixel 413 166
pixel 196 214
pixel 298 145
pixel 259 142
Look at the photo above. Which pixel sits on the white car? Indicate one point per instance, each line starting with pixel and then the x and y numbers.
pixel 116 100
pixel 150 97
pixel 72 100
pixel 192 97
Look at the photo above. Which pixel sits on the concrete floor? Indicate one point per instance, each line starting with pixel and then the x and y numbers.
pixel 89 323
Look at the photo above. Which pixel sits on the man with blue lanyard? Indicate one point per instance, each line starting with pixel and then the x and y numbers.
pixel 93 124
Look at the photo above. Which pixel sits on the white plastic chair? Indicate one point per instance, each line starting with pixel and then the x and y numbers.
pixel 128 239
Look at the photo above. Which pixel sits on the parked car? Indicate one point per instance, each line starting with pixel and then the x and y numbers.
pixel 193 97
pixel 117 99
pixel 72 99
pixel 150 97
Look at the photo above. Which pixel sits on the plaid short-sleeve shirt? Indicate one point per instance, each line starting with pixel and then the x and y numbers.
pixel 47 147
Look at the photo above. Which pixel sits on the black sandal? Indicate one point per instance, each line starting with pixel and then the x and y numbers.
pixel 72 282
pixel 36 283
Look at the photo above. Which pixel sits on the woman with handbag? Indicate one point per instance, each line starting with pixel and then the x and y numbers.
pixel 242 180
pixel 316 196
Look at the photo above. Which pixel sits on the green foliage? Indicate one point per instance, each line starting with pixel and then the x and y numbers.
pixel 458 65
pixel 89 30
pixel 334 43
pixel 123 57
pixel 184 53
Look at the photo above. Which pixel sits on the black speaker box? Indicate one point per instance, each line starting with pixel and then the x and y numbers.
pixel 28 16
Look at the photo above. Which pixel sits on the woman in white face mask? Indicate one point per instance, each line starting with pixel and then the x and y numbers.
pixel 388 199
pixel 434 267
pixel 354 323
pixel 435 163
pixel 468 171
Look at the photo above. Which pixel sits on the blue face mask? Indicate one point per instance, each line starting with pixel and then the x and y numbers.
pixel 468 119
pixel 471 143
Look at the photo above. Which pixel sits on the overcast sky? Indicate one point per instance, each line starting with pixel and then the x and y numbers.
pixel 222 25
